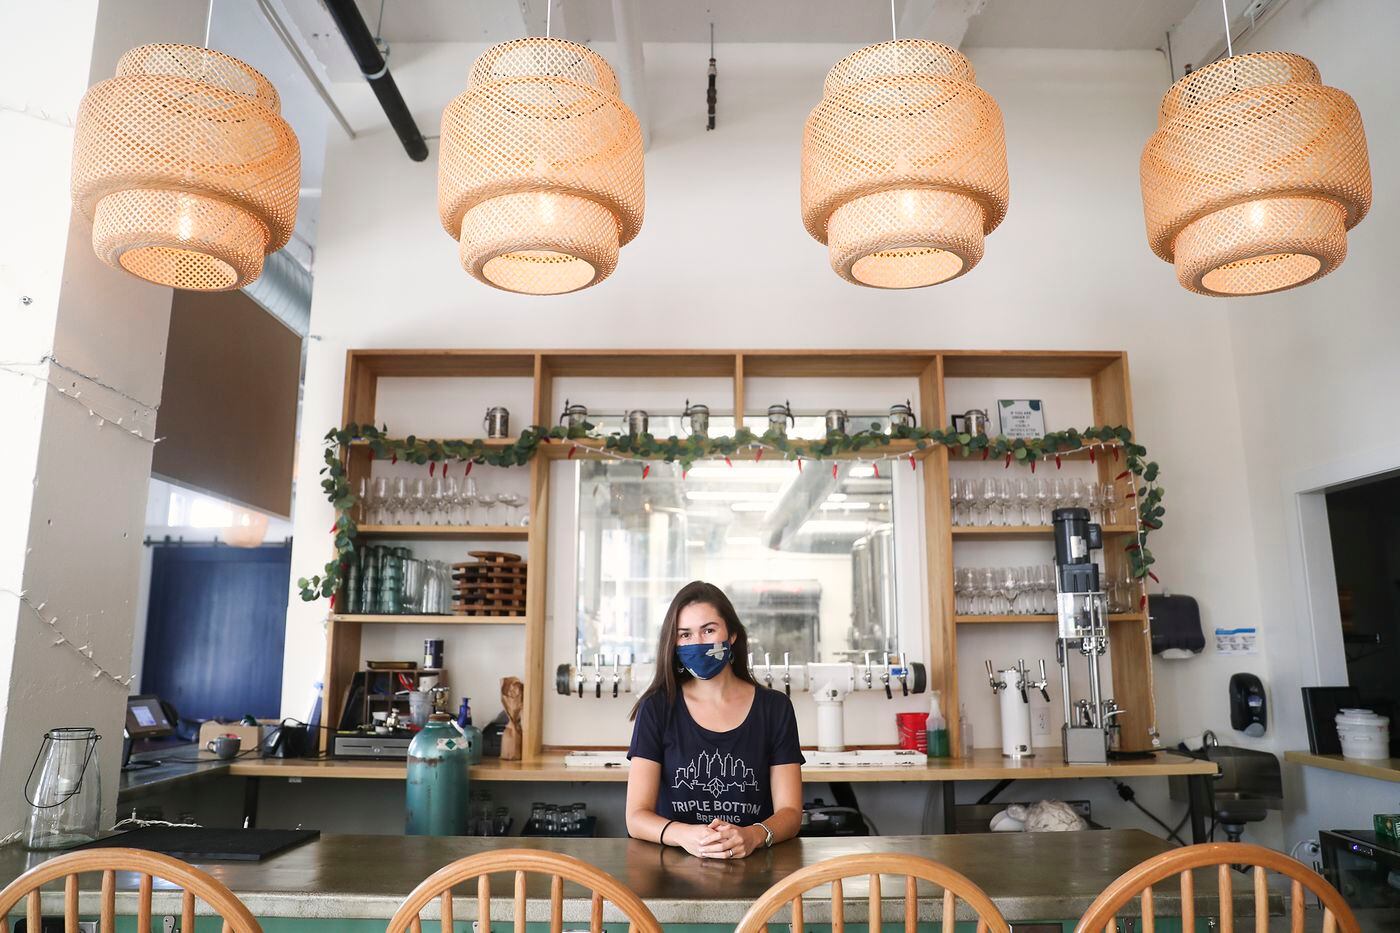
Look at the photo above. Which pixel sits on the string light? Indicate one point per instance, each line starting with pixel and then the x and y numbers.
pixel 84 652
pixel 75 395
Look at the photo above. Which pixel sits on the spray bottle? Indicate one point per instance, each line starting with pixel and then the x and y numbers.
pixel 937 730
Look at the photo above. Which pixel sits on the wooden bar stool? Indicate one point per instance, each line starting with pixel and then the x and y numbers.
pixel 195 884
pixel 1138 881
pixel 522 862
pixel 874 864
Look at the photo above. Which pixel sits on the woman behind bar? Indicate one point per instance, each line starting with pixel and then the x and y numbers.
pixel 716 764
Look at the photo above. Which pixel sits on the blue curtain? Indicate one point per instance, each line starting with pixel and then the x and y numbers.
pixel 215 629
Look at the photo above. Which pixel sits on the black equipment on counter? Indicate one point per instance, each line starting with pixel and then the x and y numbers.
pixel 1320 708
pixel 1361 865
pixel 820 820
pixel 1249 710
pixel 1176 625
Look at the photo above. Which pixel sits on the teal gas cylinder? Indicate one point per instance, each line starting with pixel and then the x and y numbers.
pixel 438 783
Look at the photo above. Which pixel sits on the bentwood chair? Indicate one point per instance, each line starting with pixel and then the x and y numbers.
pixel 522 862
pixel 195 885
pixel 874 864
pixel 1138 881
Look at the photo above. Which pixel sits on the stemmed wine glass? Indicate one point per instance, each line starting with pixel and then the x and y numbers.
pixel 1094 502
pixel 398 503
pixel 512 502
pixel 991 498
pixel 955 495
pixel 450 491
pixel 1023 498
pixel 1042 498
pixel 1110 503
pixel 1010 579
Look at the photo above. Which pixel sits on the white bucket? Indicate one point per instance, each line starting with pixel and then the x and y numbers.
pixel 1364 735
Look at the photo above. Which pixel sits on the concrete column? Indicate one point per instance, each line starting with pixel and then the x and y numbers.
pixel 73 478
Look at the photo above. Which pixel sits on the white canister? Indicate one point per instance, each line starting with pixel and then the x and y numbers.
pixel 1364 734
pixel 1015 717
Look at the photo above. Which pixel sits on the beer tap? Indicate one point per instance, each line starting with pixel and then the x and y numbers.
pixel 578 671
pixel 997 685
pixel 885 676
pixel 787 675
pixel 1042 683
pixel 869 673
pixel 767 670
pixel 616 676
pixel 904 672
pixel 1023 679
pixel 598 676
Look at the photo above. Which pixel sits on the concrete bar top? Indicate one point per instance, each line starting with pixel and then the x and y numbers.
pixel 1030 876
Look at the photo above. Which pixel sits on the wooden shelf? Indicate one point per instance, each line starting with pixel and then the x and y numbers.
pixel 429 619
pixel 486 441
pixel 1022 532
pixel 1105 454
pixel 443 532
pixel 982 619
pixel 589 448
pixel 1382 769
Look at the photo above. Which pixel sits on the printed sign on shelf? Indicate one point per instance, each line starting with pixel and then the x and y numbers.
pixel 1021 417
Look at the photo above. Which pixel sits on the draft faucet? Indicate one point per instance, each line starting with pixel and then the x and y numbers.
pixel 616 676
pixel 787 675
pixel 885 677
pixel 767 670
pixel 598 676
pixel 869 673
pixel 904 672
pixel 578 671
pixel 997 685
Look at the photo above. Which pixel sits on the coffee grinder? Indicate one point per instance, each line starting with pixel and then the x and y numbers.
pixel 1082 617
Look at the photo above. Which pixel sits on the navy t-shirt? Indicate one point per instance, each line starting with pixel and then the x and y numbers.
pixel 716 775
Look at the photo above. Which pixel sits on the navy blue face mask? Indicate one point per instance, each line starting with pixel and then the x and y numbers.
pixel 705 660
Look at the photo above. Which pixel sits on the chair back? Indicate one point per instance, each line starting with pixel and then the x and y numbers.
pixel 195 885
pixel 911 867
pixel 522 862
pixel 1138 881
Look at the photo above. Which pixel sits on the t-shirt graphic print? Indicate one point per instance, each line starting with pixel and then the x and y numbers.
pixel 709 775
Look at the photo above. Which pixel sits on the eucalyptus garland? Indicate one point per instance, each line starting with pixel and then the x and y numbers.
pixel 1116 442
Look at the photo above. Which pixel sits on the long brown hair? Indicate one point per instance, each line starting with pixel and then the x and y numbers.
pixel 669 675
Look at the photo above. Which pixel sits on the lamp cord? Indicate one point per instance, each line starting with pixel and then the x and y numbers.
pixel 1225 12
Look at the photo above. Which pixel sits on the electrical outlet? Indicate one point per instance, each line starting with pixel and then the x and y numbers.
pixel 1040 720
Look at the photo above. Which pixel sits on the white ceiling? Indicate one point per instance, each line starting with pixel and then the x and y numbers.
pixel 1088 24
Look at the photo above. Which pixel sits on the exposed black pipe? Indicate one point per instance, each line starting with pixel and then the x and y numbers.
pixel 357 35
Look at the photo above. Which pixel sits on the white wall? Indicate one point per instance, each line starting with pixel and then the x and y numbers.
pixel 723 261
pixel 1318 378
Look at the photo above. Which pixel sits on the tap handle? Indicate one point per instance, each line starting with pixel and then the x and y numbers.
pixel 787 675
pixel 614 688
pixel 904 672
pixel 992 677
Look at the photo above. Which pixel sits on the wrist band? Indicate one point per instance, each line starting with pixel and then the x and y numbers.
pixel 661 840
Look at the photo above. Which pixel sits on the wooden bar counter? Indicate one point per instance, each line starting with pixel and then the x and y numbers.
pixel 345 878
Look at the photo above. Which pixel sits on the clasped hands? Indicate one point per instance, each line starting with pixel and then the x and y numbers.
pixel 718 839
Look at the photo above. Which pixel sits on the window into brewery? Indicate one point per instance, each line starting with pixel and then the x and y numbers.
pixel 806 557
pixel 1364 519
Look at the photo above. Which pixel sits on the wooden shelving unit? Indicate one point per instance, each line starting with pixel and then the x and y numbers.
pixel 1022 532
pixel 444 532
pixel 1106 372
pixel 1036 617
pixel 402 619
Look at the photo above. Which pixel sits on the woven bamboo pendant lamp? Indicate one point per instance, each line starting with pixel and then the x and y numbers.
pixel 903 165
pixel 1254 176
pixel 540 171
pixel 186 169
